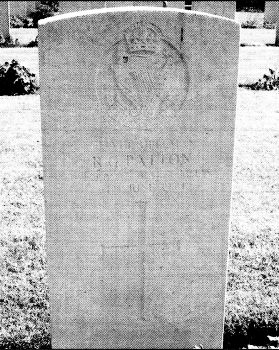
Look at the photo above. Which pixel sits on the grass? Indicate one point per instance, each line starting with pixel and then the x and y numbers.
pixel 252 308
pixel 254 62
pixel 243 17
pixel 24 294
pixel 259 36
pixel 252 300
pixel 252 297
pixel 24 35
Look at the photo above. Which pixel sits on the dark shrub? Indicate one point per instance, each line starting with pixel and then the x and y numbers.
pixel 16 79
pixel 16 22
pixel 268 25
pixel 268 82
pixel 250 5
pixel 8 41
pixel 33 43
pixel 44 10
pixel 249 24
pixel 21 22
pixel 28 22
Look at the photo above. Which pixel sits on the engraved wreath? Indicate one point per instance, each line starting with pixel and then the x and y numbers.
pixel 145 76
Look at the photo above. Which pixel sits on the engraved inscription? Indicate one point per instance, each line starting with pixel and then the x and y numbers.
pixel 145 77
pixel 129 161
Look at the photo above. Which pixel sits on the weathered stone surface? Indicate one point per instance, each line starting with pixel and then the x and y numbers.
pixel 4 18
pixel 219 8
pixel 138 110
pixel 271 11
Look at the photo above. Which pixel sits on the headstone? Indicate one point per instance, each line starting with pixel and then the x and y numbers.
pixel 271 14
pixel 17 8
pixel 73 6
pixel 271 11
pixel 23 8
pixel 31 6
pixel 4 18
pixel 219 8
pixel 138 134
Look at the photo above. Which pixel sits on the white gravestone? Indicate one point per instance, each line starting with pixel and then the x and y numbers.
pixel 4 18
pixel 220 8
pixel 138 111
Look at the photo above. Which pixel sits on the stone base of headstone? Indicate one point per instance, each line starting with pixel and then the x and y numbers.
pixel 138 134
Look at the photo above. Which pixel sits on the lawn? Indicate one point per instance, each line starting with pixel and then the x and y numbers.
pixel 253 296
pixel 24 35
pixel 256 17
pixel 23 299
pixel 257 36
pixel 254 62
pixel 252 300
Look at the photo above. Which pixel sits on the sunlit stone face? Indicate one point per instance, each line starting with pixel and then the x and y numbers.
pixel 138 135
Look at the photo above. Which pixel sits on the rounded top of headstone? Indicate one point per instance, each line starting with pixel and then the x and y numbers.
pixel 130 9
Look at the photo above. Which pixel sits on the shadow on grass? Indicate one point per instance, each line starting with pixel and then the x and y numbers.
pixel 255 334
pixel 257 45
pixel 240 338
pixel 37 342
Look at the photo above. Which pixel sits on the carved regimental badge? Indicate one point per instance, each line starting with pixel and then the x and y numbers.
pixel 145 78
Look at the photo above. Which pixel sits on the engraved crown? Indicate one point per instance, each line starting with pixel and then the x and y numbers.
pixel 142 38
